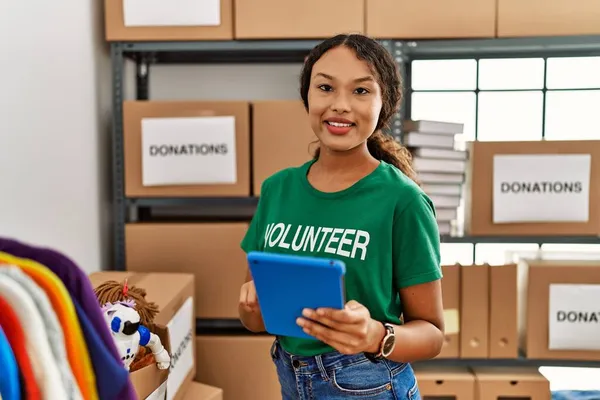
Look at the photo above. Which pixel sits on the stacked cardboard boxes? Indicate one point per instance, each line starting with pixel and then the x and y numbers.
pixel 211 149
pixel 130 20
pixel 482 383
pixel 481 312
pixel 535 308
pixel 550 309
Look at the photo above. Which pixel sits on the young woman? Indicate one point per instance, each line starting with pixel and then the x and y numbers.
pixel 358 201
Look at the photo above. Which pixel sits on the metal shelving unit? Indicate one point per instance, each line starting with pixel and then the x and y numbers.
pixel 146 54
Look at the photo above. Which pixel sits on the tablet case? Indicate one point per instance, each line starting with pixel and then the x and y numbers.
pixel 286 284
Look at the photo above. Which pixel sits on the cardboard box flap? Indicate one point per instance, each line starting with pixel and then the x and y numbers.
pixel 200 391
pixel 177 283
pixel 432 373
pixel 508 374
pixel 98 277
pixel 535 263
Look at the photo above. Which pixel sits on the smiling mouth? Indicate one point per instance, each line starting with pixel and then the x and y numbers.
pixel 340 124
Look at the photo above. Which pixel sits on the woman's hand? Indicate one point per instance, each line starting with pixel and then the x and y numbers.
pixel 248 298
pixel 249 309
pixel 349 331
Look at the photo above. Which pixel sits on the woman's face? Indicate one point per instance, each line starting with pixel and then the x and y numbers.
pixel 344 100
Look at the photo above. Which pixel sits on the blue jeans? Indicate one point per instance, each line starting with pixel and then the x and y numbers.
pixel 335 376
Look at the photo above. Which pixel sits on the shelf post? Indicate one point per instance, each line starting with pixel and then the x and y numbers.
pixel 119 205
pixel 396 49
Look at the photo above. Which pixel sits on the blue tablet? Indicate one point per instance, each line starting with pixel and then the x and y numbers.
pixel 286 284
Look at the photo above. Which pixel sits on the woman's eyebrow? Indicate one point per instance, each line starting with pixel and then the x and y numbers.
pixel 363 79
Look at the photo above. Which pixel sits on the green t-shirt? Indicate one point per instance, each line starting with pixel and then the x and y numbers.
pixel 383 227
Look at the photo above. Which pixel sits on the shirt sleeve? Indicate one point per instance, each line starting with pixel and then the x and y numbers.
pixel 251 240
pixel 416 244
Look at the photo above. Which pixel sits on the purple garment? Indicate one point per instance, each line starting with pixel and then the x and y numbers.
pixel 82 294
pixel 111 376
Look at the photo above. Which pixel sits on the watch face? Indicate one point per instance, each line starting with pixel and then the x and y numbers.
pixel 388 345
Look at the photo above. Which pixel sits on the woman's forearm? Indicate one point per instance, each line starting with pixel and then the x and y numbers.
pixel 416 340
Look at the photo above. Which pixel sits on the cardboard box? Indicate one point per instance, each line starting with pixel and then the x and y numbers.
pixel 200 391
pixel 240 365
pixel 445 383
pixel 174 296
pixel 548 18
pixel 135 111
pixel 116 30
pixel 504 312
pixel 275 148
pixel 406 19
pixel 531 188
pixel 451 299
pixel 560 322
pixel 209 251
pixel 474 311
pixel 292 19
pixel 495 383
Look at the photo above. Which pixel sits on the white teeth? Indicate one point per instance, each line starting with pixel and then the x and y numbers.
pixel 339 124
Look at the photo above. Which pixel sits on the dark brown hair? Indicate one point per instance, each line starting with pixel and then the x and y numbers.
pixel 381 146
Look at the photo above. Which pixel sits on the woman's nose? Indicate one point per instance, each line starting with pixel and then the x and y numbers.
pixel 340 103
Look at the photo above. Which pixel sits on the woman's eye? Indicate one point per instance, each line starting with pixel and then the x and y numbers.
pixel 325 88
pixel 362 91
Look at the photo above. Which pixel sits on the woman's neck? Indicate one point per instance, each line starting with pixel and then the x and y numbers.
pixel 346 162
pixel 335 171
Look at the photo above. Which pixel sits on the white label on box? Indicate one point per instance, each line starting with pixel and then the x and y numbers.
pixel 541 187
pixel 574 320
pixel 159 393
pixel 182 332
pixel 451 321
pixel 171 13
pixel 188 151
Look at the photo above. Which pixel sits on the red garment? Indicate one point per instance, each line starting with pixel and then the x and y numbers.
pixel 16 337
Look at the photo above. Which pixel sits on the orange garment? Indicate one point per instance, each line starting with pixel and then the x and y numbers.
pixel 59 297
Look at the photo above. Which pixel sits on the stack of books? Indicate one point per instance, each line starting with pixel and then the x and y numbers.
pixel 441 166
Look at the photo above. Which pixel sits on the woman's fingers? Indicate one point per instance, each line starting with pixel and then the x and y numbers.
pixel 248 298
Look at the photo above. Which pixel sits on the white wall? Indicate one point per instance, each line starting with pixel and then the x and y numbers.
pixel 54 104
pixel 55 97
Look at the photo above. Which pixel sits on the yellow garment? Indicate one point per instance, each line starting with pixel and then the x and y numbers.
pixel 59 297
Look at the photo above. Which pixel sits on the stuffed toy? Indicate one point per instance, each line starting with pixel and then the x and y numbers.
pixel 130 320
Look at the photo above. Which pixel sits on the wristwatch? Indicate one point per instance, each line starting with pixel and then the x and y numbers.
pixel 387 344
